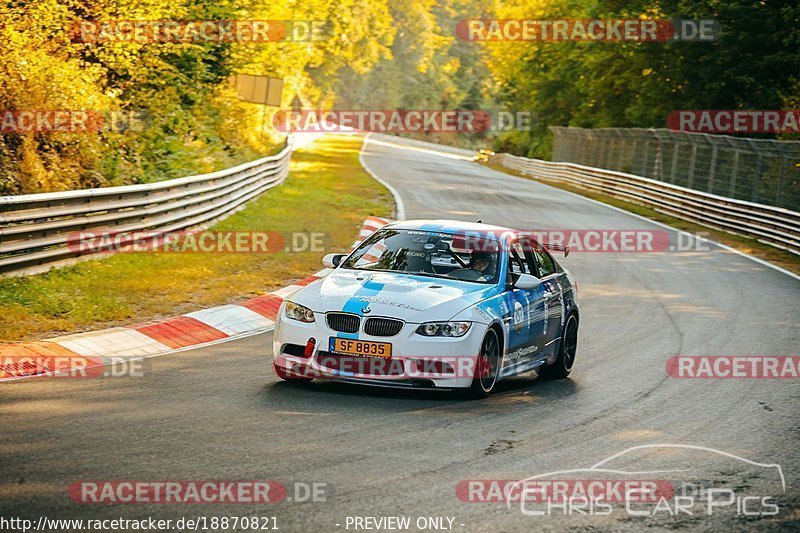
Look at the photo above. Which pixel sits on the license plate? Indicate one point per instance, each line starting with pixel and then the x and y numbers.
pixel 358 348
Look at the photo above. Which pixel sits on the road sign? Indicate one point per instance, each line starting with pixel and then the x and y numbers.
pixel 258 89
pixel 297 104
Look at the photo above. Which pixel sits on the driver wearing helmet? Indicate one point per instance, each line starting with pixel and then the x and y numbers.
pixel 479 267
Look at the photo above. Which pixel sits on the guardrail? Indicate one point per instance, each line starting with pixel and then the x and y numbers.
pixel 36 230
pixel 763 171
pixel 770 225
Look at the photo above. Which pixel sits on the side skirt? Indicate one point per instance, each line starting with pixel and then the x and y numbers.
pixel 521 367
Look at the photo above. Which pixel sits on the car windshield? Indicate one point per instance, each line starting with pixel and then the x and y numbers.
pixel 462 256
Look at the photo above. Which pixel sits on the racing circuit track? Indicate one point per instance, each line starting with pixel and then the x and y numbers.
pixel 219 412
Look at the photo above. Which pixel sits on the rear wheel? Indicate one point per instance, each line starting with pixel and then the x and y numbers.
pixel 487 367
pixel 285 375
pixel 566 352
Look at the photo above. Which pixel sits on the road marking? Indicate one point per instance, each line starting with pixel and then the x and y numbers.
pixel 399 202
pixel 400 210
pixel 231 319
pixel 665 226
pixel 425 150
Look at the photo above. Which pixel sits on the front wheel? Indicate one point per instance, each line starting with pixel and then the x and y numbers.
pixel 487 367
pixel 566 352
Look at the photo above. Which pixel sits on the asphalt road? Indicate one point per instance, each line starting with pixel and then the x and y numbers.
pixel 219 413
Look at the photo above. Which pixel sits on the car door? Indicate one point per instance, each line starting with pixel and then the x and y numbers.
pixel 545 270
pixel 525 318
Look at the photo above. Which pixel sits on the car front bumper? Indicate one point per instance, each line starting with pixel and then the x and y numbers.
pixel 416 361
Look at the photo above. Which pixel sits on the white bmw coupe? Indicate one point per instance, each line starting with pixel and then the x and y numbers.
pixel 435 304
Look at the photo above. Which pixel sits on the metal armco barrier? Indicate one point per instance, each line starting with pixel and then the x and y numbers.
pixel 771 225
pixel 764 171
pixel 36 229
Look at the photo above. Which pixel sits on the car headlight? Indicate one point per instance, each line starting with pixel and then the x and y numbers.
pixel 298 312
pixel 443 329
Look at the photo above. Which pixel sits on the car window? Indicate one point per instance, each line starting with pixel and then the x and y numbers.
pixel 516 260
pixel 428 253
pixel 544 263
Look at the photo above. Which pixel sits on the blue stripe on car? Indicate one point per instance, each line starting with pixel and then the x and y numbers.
pixel 356 303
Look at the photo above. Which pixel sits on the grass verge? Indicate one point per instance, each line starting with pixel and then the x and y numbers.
pixel 327 191
pixel 776 256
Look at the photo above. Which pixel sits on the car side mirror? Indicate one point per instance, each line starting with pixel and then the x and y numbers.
pixel 332 260
pixel 526 282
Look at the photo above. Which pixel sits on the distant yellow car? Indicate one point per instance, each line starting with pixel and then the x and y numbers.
pixel 482 155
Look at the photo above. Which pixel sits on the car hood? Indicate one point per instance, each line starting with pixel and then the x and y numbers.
pixel 408 297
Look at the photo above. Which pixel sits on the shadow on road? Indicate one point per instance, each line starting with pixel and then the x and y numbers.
pixel 328 396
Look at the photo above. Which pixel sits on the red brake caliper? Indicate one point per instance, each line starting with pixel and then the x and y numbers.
pixel 484 367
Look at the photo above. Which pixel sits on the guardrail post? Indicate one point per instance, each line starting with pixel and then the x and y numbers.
pixel 780 182
pixel 712 169
pixel 633 155
pixel 613 144
pixel 676 147
pixel 692 159
pixel 578 147
pixel 757 178
pixel 734 174
pixel 602 151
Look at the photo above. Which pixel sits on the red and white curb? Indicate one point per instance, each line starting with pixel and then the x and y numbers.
pixel 150 339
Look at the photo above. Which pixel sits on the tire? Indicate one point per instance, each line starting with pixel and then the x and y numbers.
pixel 283 374
pixel 566 352
pixel 487 367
